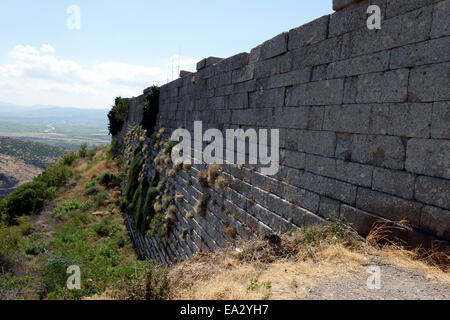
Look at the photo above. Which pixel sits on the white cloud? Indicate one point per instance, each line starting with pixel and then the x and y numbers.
pixel 38 76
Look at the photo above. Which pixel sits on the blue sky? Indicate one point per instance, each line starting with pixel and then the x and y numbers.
pixel 124 46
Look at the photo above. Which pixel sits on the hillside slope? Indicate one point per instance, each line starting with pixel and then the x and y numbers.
pixel 21 161
pixel 82 224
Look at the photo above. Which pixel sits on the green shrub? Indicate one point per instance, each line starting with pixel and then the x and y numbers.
pixel 158 225
pixel 106 227
pixel 133 176
pixel 169 146
pixel 113 149
pixel 108 180
pixel 151 109
pixel 83 152
pixel 100 199
pixel 61 212
pixel 54 274
pixel 117 116
pixel 92 190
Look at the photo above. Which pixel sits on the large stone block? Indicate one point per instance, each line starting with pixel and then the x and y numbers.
pixel 293 159
pixel 316 93
pixel 388 207
pixel 323 52
pixel 436 221
pixel 274 47
pixel 394 182
pixel 361 221
pixel 355 173
pixel 440 123
pixel 290 78
pixel 243 74
pixel 327 206
pixel 429 83
pixel 315 142
pixel 309 33
pixel 397 7
pixel 440 26
pixel 410 120
pixel 427 52
pixel 271 98
pixel 375 62
pixel 341 4
pixel 349 19
pixel 382 151
pixel 433 191
pixel 341 191
pixel 276 65
pixel 320 165
pixel 296 118
pixel 405 29
pixel 391 86
pixel 428 156
pixel 347 118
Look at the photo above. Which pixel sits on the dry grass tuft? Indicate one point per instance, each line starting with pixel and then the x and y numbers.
pixel 213 172
pixel 202 178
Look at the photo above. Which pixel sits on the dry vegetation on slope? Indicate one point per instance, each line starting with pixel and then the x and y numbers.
pixel 83 225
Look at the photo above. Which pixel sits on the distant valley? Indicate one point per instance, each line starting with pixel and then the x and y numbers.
pixel 57 126
pixel 32 138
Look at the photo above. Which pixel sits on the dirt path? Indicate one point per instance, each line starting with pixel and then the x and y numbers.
pixel 396 283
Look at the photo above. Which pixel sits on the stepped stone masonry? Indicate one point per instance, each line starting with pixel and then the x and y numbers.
pixel 364 121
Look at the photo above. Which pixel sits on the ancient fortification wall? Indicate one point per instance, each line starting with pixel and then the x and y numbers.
pixel 364 128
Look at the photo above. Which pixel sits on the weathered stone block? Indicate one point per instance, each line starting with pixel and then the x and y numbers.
pixel 355 173
pixel 347 118
pixel 341 4
pixel 440 123
pixel 429 83
pixel 433 191
pixel 290 78
pixel 360 220
pixel 270 98
pixel 327 206
pixel 349 19
pixel 309 33
pixel 440 26
pixel 320 165
pixel 397 7
pixel 243 74
pixel 375 62
pixel 405 29
pixel 383 151
pixel 428 156
pixel 427 52
pixel 350 89
pixel 323 52
pixel 316 93
pixel 388 207
pixel 410 120
pixel 274 47
pixel 341 191
pixel 319 73
pixel 293 159
pixel 315 121
pixel 436 221
pixel 276 65
pixel 315 142
pixel 296 118
pixel 238 101
pixel 394 182
pixel 391 86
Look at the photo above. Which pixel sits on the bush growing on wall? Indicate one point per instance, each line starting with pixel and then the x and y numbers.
pixel 117 116
pixel 151 109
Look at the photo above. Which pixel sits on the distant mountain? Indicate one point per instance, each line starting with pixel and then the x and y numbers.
pixel 53 113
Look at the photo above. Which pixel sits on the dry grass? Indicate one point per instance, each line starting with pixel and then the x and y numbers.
pixel 260 269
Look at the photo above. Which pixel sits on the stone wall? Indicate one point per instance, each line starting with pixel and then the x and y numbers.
pixel 364 123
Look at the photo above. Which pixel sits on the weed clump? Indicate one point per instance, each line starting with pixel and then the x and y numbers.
pixel 201 206
pixel 202 178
